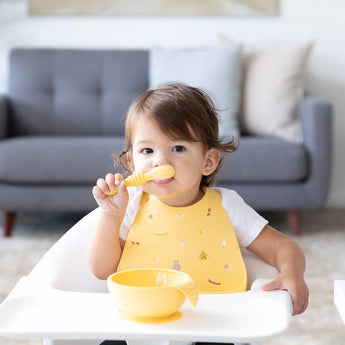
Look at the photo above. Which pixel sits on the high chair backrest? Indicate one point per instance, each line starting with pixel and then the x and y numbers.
pixel 65 265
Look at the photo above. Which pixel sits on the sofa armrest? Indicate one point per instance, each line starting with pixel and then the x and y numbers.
pixel 316 118
pixel 4 117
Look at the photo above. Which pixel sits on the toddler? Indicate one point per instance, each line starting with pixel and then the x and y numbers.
pixel 177 124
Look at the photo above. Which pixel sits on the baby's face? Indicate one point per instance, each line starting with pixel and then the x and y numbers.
pixel 152 148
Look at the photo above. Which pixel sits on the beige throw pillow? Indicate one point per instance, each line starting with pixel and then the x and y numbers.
pixel 272 90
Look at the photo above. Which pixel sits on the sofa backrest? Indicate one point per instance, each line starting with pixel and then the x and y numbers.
pixel 74 91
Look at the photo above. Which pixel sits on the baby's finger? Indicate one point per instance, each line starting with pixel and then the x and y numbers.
pixel 97 192
pixel 297 306
pixel 110 178
pixel 304 307
pixel 122 188
pixel 300 302
pixel 103 185
pixel 118 179
pixel 123 195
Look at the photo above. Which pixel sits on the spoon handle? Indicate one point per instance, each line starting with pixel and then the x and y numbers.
pixel 140 178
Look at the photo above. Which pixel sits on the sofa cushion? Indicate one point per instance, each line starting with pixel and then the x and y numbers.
pixel 62 160
pixel 74 92
pixel 215 69
pixel 263 159
pixel 57 160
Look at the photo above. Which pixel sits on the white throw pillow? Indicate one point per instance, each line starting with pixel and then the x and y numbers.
pixel 272 89
pixel 217 70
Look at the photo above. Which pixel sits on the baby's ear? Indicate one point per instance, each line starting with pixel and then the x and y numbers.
pixel 130 163
pixel 212 158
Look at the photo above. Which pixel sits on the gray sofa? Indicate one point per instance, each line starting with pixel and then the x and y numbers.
pixel 63 118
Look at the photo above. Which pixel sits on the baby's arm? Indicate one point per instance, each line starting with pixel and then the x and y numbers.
pixel 106 245
pixel 282 252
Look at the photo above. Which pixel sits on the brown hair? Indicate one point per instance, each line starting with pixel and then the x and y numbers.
pixel 183 112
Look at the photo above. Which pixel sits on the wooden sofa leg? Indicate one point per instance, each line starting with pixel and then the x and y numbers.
pixel 9 220
pixel 293 219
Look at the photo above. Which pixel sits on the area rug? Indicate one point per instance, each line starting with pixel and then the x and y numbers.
pixel 322 240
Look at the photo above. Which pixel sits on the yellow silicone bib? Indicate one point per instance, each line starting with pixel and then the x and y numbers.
pixel 198 239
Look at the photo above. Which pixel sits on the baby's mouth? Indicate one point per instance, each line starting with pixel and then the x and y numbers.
pixel 162 181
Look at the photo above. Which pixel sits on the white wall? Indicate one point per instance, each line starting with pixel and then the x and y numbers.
pixel 320 20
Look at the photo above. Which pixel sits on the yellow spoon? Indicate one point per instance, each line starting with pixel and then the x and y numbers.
pixel 140 178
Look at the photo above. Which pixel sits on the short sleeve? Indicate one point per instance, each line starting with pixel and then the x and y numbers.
pixel 246 222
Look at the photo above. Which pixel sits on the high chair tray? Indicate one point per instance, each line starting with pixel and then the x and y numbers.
pixel 339 297
pixel 35 311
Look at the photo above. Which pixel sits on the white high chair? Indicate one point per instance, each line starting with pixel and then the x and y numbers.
pixel 62 302
pixel 339 297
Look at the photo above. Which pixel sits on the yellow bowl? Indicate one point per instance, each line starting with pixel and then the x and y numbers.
pixel 151 293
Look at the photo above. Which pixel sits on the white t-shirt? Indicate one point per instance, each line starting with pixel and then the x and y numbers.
pixel 246 222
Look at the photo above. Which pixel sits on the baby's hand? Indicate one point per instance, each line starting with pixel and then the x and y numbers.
pixel 115 204
pixel 295 286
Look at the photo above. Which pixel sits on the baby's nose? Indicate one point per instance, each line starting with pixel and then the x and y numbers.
pixel 160 160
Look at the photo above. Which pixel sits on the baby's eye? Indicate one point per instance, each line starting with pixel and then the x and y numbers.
pixel 178 148
pixel 146 151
